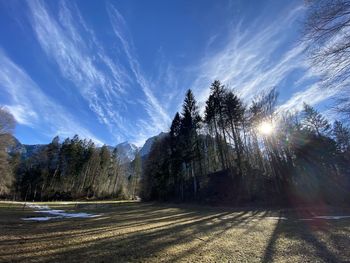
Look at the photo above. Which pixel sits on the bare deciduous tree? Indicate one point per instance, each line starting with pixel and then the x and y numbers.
pixel 7 125
pixel 327 33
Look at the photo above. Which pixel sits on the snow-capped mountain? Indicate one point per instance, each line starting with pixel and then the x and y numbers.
pixel 145 149
pixel 126 151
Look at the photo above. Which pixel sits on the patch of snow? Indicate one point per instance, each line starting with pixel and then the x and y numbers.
pixel 61 213
pixel 37 206
pixel 56 213
pixel 45 218
pixel 50 211
pixel 331 217
pixel 324 217
pixel 276 217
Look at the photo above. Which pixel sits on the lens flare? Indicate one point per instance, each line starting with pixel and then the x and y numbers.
pixel 266 128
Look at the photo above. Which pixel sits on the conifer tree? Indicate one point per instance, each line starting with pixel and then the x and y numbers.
pixel 189 125
pixel 314 122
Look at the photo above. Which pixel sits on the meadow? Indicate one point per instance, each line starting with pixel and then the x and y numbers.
pixel 156 232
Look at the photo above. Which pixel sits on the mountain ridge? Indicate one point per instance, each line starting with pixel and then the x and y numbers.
pixel 126 150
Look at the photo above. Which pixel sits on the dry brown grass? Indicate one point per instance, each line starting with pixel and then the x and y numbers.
pixel 146 232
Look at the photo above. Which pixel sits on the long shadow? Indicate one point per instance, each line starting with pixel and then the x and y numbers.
pixel 150 239
pixel 103 226
pixel 269 251
pixel 168 227
pixel 134 238
pixel 146 218
pixel 303 232
pixel 100 231
pixel 151 242
pixel 108 225
pixel 307 233
pixel 232 222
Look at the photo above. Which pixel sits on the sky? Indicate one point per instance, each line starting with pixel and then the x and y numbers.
pixel 115 71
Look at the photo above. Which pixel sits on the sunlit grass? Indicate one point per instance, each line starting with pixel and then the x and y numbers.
pixel 144 232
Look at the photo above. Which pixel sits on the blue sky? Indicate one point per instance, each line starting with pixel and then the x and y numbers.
pixel 117 71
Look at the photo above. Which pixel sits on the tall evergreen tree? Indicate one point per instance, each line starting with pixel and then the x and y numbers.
pixel 234 111
pixel 176 156
pixel 189 126
pixel 218 99
pixel 314 122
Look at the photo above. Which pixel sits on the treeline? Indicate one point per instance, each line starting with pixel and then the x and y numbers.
pixel 73 169
pixel 239 154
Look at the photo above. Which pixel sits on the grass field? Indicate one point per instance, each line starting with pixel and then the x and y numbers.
pixel 147 232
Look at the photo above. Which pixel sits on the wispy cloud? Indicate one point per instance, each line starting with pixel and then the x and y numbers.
pixel 63 43
pixel 31 107
pixel 108 77
pixel 260 57
pixel 103 81
pixel 312 96
pixel 154 108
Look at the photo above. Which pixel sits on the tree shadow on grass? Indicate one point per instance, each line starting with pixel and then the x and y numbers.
pixel 154 229
pixel 148 232
pixel 311 237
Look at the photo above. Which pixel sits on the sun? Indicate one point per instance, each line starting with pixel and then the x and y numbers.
pixel 266 128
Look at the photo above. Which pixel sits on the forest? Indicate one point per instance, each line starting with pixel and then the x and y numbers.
pixel 71 170
pixel 253 152
pixel 239 154
pixel 231 154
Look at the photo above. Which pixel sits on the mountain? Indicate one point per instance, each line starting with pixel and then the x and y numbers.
pixel 16 147
pixel 145 149
pixel 32 149
pixel 126 151
pixel 25 150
